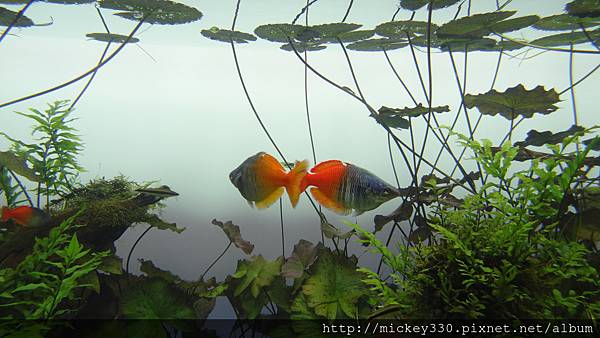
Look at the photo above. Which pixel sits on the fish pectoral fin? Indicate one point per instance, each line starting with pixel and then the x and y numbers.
pixel 326 164
pixel 328 203
pixel 272 198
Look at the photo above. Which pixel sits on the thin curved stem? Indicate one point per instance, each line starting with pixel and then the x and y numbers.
pixel 23 188
pixel 304 9
pixel 580 80
pixel 16 19
pixel 133 248
pixel 84 75
pixel 215 261
pixel 348 10
pixel 91 77
pixel 282 232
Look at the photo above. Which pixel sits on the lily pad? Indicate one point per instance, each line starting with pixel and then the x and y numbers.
pixel 377 45
pixel 154 298
pixel 303 256
pixel 7 17
pixel 475 26
pixel 256 274
pixel 18 165
pixel 334 29
pixel 584 8
pixel 161 12
pixel 399 29
pixel 301 47
pixel 156 222
pixel 564 22
pixel 105 37
pixel 469 45
pixel 537 138
pixel 416 4
pixel 349 36
pixel 514 101
pixel 233 233
pixel 279 32
pixel 334 285
pixel 402 213
pixel 562 39
pixel 515 24
pixel 412 112
pixel 226 35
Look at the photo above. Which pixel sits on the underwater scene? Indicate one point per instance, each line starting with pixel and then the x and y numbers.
pixel 276 168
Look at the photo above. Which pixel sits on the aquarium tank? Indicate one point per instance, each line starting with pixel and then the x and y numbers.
pixel 263 168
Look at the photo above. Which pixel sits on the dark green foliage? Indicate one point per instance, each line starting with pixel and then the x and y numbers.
pixel 562 39
pixel 474 26
pixel 161 12
pixel 537 138
pixel 416 4
pixel 377 45
pixel 584 8
pixel 400 29
pixel 563 22
pixel 226 35
pixel 7 17
pixel 105 37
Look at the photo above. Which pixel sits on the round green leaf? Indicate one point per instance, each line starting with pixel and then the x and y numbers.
pixel 477 25
pixel 301 47
pixel 334 29
pixel 564 22
pixel 416 4
pixel 152 298
pixel 161 12
pixel 105 37
pixel 515 24
pixel 7 16
pixel 399 29
pixel 377 45
pixel 226 35
pixel 350 36
pixel 279 32
pixel 562 39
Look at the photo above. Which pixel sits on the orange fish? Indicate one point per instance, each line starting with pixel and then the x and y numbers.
pixel 342 187
pixel 261 179
pixel 25 216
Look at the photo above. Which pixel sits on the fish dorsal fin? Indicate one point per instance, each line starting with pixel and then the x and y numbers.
pixel 328 202
pixel 326 164
pixel 271 162
pixel 274 196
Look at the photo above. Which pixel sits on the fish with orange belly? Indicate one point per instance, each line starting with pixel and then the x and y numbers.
pixel 343 187
pixel 28 217
pixel 261 180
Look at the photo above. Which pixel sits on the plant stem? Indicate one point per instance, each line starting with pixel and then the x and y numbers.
pixel 348 11
pixel 133 248
pixel 216 260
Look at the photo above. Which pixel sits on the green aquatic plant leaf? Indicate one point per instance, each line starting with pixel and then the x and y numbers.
pixel 204 306
pixel 160 12
pixel 564 22
pixel 584 8
pixel 514 101
pixel 537 138
pixel 112 264
pixel 377 45
pixel 152 271
pixel 412 112
pixel 154 298
pixel 469 45
pixel 279 32
pixel 302 258
pixel 233 234
pixel 399 29
pixel 515 24
pixel 416 4
pixel 334 286
pixel 70 2
pixel 419 234
pixel 329 30
pixel 156 222
pixel 402 213
pixel 349 36
pixel 18 165
pixel 475 26
pixel 7 17
pixel 256 274
pixel 563 39
pixel 106 37
pixel 331 231
pixel 226 35
pixel 301 47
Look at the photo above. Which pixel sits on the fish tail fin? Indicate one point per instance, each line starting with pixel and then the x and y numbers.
pixel 5 214
pixel 295 180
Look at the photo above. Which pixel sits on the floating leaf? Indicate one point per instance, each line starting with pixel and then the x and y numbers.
pixel 416 4
pixel 476 26
pixel 279 32
pixel 226 35
pixel 105 37
pixel 329 30
pixel 301 47
pixel 331 231
pixel 334 285
pixel 349 36
pixel 233 233
pixel 515 24
pixel 399 29
pixel 402 213
pixel 536 138
pixel 112 264
pixel 377 45
pixel 256 274
pixel 7 17
pixel 562 39
pixel 469 45
pixel 412 112
pixel 155 299
pixel 156 222
pixel 70 2
pixel 161 12
pixel 152 271
pixel 584 8
pixel 303 256
pixel 563 22
pixel 514 101
pixel 18 165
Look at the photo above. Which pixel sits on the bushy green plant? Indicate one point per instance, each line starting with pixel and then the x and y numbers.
pixel 504 253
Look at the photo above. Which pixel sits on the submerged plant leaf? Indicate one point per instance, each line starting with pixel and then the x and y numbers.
pixel 416 4
pixel 399 29
pixel 537 138
pixel 334 286
pixel 377 45
pixel 105 37
pixel 18 165
pixel 233 233
pixel 475 26
pixel 112 264
pixel 402 213
pixel 226 35
pixel 279 32
pixel 256 274
pixel 161 12
pixel 562 39
pixel 584 8
pixel 152 271
pixel 303 256
pixel 156 222
pixel 514 101
pixel 154 298
pixel 7 17
pixel 564 22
